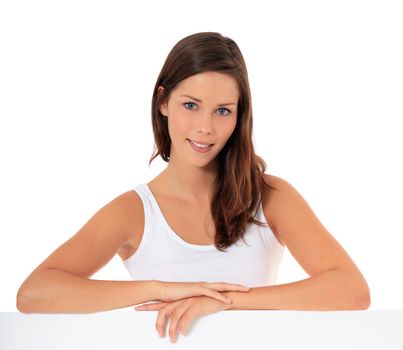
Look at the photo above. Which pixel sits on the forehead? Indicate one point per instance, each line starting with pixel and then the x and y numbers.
pixel 210 85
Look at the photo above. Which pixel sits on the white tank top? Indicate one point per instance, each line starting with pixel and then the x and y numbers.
pixel 163 255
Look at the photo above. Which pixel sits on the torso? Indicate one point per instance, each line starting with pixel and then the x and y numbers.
pixel 196 227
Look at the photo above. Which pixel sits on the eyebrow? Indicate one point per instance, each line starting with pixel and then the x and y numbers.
pixel 198 100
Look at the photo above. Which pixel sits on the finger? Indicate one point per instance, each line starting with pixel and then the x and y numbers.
pixel 150 307
pixel 223 286
pixel 182 328
pixel 183 323
pixel 175 318
pixel 233 286
pixel 161 318
pixel 216 295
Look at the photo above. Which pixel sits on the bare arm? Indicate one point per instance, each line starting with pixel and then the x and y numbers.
pixel 57 291
pixel 329 290
pixel 61 283
pixel 335 282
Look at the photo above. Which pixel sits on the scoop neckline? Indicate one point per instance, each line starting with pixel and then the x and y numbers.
pixel 178 238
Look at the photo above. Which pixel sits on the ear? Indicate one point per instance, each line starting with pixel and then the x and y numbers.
pixel 163 106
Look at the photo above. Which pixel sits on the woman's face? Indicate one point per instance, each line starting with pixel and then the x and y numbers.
pixel 201 108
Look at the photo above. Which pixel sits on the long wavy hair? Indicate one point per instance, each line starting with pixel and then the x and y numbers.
pixel 239 184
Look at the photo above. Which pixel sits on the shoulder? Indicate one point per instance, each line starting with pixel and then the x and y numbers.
pixel 128 209
pixel 275 202
pixel 282 196
pixel 286 209
pixel 129 198
pixel 127 203
pixel 277 182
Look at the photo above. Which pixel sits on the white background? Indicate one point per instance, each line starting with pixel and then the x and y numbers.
pixel 76 81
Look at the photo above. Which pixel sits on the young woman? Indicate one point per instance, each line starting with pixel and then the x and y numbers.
pixel 212 225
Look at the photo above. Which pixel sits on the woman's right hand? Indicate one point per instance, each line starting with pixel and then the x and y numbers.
pixel 172 291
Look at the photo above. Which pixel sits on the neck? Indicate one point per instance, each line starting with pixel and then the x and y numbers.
pixel 189 182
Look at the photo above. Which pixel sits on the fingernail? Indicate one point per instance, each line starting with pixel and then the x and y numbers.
pixel 228 300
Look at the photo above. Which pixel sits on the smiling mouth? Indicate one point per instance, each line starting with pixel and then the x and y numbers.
pixel 199 149
pixel 200 144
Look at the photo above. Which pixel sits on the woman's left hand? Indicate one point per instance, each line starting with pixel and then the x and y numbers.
pixel 181 312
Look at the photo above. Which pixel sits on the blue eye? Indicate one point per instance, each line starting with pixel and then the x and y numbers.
pixel 187 103
pixel 225 109
pixel 192 103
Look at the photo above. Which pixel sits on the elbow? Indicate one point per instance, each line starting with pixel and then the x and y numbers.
pixel 23 300
pixel 363 297
pixel 364 300
pixel 359 292
pixel 34 294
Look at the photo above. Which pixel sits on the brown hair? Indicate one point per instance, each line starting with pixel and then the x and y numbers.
pixel 238 187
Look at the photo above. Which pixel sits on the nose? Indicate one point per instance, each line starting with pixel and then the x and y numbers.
pixel 204 123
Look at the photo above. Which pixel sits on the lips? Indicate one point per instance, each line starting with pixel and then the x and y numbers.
pixel 201 143
pixel 199 149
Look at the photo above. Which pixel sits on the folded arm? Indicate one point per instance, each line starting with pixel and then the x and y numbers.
pixel 335 282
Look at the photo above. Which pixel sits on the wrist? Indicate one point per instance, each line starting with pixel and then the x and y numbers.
pixel 157 286
pixel 230 296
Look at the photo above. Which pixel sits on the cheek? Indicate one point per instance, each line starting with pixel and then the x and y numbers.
pixel 179 124
pixel 225 135
pixel 230 129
